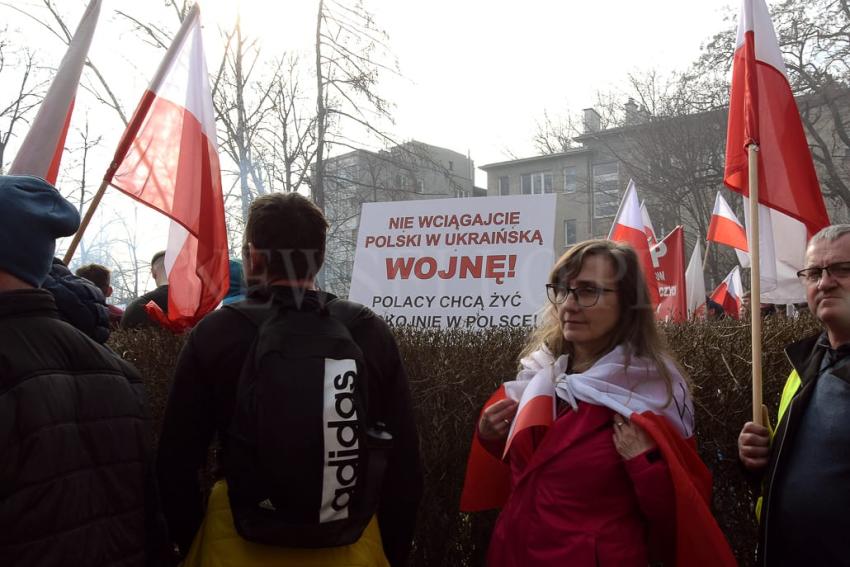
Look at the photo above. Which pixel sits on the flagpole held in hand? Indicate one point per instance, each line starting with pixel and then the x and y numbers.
pixel 86 220
pixel 755 281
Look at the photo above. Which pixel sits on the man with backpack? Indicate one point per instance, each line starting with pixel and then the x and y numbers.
pixel 310 403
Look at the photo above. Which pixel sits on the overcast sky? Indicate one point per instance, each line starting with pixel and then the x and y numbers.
pixel 476 74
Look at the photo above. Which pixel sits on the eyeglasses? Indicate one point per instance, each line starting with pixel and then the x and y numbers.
pixel 838 270
pixel 585 295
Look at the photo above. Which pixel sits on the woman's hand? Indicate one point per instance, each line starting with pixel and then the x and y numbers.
pixel 496 420
pixel 630 439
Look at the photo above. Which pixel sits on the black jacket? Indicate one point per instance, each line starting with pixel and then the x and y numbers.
pixel 75 468
pixel 136 317
pixel 202 400
pixel 79 301
pixel 806 357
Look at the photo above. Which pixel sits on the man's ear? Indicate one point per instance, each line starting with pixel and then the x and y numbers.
pixel 108 291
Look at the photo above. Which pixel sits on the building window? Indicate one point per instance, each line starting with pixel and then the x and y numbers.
pixel 402 182
pixel 536 183
pixel 505 185
pixel 451 166
pixel 570 237
pixel 606 195
pixel 420 186
pixel 570 179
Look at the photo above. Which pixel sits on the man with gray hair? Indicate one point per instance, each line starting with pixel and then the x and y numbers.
pixel 804 464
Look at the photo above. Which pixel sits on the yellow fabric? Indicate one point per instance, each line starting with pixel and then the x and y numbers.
pixel 218 545
pixel 791 386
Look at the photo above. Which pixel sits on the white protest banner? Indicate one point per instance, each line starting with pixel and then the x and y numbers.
pixel 455 263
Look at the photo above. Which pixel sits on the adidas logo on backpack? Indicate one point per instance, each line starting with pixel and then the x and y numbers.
pixel 305 456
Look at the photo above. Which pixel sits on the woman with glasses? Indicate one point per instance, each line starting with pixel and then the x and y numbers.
pixel 589 485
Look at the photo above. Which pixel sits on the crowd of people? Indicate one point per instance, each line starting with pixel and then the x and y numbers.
pixel 318 450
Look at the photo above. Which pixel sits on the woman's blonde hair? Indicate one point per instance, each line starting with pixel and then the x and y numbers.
pixel 635 329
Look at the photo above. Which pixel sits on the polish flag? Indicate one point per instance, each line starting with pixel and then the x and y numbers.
pixel 763 111
pixel 41 151
pixel 628 227
pixel 647 224
pixel 167 159
pixel 729 293
pixel 724 227
pixel 695 281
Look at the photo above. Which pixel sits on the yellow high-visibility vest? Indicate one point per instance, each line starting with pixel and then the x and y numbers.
pixel 792 385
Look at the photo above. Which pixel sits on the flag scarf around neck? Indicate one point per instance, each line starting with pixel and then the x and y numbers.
pixel 762 111
pixel 699 540
pixel 725 228
pixel 622 383
pixel 628 227
pixel 41 150
pixel 167 159
pixel 729 293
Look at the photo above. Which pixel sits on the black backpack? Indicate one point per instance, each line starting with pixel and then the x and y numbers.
pixel 304 461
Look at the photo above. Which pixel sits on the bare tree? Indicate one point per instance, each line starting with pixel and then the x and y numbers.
pixel 17 67
pixel 288 137
pixel 351 53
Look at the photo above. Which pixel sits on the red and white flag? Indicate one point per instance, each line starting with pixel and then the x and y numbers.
pixel 625 389
pixel 647 224
pixel 762 111
pixel 725 228
pixel 729 293
pixel 695 281
pixel 628 227
pixel 668 258
pixel 167 159
pixel 41 150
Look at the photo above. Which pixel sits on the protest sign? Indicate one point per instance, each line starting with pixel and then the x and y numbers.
pixel 455 263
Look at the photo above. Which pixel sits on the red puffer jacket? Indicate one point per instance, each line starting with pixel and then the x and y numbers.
pixel 574 501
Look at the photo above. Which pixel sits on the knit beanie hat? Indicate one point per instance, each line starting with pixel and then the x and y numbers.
pixel 32 216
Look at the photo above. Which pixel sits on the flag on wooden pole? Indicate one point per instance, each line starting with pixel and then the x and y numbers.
pixel 167 159
pixel 762 111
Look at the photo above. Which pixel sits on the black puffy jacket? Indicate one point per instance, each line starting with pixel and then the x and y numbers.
pixel 79 301
pixel 76 483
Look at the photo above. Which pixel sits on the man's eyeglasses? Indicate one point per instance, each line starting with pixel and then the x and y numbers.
pixel 585 295
pixel 838 270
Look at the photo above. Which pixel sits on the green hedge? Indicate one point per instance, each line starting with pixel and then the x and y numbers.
pixel 452 374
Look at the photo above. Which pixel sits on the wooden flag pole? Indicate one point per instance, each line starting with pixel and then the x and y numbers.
pixel 705 258
pixel 755 280
pixel 86 220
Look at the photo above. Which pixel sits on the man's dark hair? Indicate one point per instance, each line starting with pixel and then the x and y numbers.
pixel 97 274
pixel 157 256
pixel 290 230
